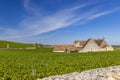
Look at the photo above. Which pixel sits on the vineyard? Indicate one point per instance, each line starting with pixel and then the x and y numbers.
pixel 3 44
pixel 33 64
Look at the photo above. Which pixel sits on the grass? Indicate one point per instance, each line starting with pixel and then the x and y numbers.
pixel 3 44
pixel 18 65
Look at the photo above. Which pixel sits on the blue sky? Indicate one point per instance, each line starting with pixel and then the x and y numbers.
pixel 59 21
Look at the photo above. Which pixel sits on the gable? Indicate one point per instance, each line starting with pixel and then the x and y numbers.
pixel 104 43
pixel 91 46
pixel 80 43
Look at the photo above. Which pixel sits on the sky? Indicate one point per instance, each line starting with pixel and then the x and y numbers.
pixel 59 21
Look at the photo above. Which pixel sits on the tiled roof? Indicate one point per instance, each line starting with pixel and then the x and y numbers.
pixel 82 43
pixel 64 48
pixel 104 46
pixel 98 41
pixel 79 48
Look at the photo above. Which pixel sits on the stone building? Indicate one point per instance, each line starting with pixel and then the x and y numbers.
pixel 89 45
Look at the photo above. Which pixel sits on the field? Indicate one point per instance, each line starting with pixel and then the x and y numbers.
pixel 3 44
pixel 33 64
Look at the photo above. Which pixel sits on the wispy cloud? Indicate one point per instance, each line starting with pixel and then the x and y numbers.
pixel 36 25
pixel 99 14
pixel 26 3
pixel 61 19
pixel 31 8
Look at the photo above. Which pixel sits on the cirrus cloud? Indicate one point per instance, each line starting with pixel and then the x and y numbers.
pixel 36 25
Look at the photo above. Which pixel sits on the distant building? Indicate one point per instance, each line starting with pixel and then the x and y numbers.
pixel 64 48
pixel 89 45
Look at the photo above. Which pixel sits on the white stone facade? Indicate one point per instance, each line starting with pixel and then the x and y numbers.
pixel 90 45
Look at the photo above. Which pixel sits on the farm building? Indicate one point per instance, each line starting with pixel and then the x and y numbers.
pixel 64 48
pixel 85 46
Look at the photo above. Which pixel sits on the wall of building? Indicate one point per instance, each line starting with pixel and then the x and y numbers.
pixel 91 46
pixel 103 43
pixel 110 48
pixel 77 44
pixel 58 51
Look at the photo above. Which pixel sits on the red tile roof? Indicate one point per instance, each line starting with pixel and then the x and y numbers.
pixel 104 46
pixel 98 41
pixel 82 43
pixel 64 48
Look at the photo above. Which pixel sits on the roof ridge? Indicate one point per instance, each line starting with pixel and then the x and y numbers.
pixel 87 42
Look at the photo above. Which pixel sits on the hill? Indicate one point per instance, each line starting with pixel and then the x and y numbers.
pixel 3 44
pixel 116 47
